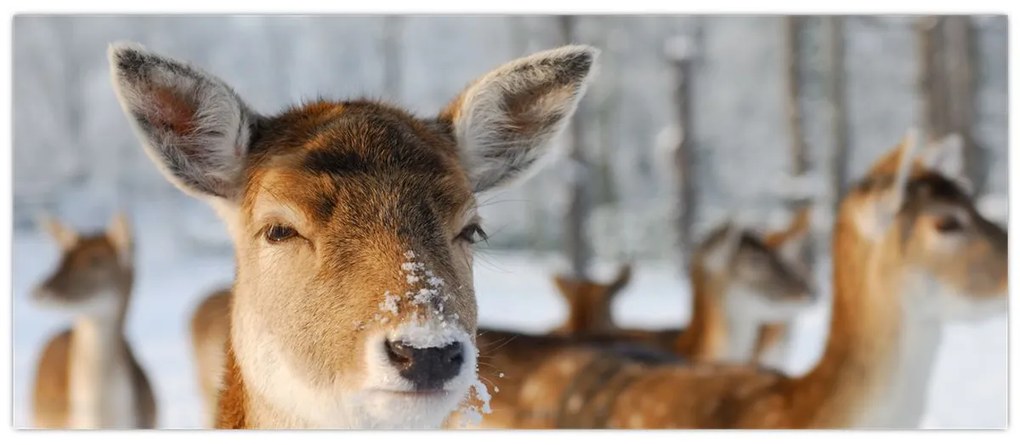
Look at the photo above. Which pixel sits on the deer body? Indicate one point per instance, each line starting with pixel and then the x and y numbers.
pixel 87 376
pixel 909 253
pixel 210 326
pixel 353 303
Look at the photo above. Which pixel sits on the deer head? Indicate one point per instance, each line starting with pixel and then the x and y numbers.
pixel 94 274
pixel 759 274
pixel 353 224
pixel 913 207
pixel 589 304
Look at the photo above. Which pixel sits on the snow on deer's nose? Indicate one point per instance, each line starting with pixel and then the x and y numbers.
pixel 421 294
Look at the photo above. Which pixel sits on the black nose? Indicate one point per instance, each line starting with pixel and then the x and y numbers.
pixel 426 368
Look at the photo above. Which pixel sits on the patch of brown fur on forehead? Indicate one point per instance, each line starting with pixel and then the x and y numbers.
pixel 324 145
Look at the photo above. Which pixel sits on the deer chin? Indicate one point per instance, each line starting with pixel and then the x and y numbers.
pixel 377 397
pixel 958 307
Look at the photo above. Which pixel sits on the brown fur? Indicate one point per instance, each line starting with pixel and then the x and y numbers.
pixel 589 303
pixel 210 326
pixel 50 397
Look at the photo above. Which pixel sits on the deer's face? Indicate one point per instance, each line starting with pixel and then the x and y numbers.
pixel 360 238
pixel 771 284
pixel 954 260
pixel 761 277
pixel 353 224
pixel 93 274
pixel 957 252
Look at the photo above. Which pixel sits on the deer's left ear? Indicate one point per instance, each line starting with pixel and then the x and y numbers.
pixel 506 120
pixel 119 234
pixel 65 236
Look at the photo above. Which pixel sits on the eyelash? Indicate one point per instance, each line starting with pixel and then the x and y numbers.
pixel 468 233
pixel 278 233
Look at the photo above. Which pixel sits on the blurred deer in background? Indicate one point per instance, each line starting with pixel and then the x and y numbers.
pixel 910 252
pixel 87 376
pixel 730 261
pixel 353 223
pixel 589 304
pixel 742 283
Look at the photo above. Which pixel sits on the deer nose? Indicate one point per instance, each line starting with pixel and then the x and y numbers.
pixel 426 368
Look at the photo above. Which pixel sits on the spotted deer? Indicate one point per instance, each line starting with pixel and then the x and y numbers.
pixel 352 221
pixel 210 327
pixel 910 252
pixel 87 376
pixel 742 282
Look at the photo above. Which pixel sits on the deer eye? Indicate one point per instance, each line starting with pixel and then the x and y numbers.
pixel 278 232
pixel 948 224
pixel 472 233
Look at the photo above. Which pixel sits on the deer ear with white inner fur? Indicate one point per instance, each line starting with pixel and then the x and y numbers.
pixel 507 119
pixel 195 128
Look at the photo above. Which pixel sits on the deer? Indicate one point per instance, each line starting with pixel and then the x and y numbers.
pixel 730 259
pixel 745 287
pixel 589 302
pixel 209 328
pixel 910 253
pixel 88 376
pixel 352 222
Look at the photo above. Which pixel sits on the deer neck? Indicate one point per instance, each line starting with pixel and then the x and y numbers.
pixel 879 355
pixel 705 337
pixel 101 387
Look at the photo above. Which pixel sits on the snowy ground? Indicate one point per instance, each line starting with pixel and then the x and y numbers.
pixel 969 387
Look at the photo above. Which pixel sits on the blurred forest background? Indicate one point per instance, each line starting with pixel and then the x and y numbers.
pixel 758 99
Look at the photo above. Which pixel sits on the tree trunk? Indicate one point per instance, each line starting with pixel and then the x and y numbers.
pixel 958 45
pixel 392 56
pixel 837 101
pixel 946 89
pixel 680 52
pixel 576 243
pixel 798 148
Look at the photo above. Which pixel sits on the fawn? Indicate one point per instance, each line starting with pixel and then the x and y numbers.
pixel 742 282
pixel 87 376
pixel 352 222
pixel 910 252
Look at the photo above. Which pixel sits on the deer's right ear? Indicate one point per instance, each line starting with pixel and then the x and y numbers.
pixel 193 126
pixel 506 120
pixel 65 236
